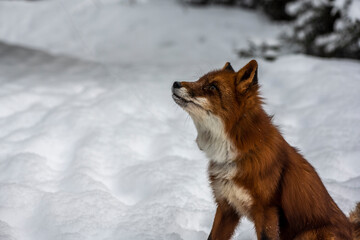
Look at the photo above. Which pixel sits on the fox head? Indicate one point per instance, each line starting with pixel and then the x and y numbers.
pixel 217 103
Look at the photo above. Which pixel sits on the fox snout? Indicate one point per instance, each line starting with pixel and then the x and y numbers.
pixel 179 94
pixel 176 85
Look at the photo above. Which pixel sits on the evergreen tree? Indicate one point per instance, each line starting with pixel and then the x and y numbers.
pixel 327 28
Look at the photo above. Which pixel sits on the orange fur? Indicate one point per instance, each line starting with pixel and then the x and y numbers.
pixel 253 171
pixel 355 221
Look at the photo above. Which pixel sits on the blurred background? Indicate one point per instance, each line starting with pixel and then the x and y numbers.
pixel 92 145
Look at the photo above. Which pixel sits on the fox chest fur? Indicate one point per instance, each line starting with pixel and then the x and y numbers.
pixel 225 188
pixel 222 169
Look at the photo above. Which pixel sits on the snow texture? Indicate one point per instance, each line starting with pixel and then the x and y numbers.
pixel 92 146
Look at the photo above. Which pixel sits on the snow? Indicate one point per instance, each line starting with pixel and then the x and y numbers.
pixel 354 11
pixel 107 31
pixel 92 145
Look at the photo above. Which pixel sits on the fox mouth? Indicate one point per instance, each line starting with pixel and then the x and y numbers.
pixel 182 102
pixel 179 100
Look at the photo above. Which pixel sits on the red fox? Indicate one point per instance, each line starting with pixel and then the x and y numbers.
pixel 253 171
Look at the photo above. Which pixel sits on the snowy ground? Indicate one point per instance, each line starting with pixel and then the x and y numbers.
pixel 92 145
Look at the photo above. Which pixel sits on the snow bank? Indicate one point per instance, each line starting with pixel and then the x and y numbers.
pixel 163 32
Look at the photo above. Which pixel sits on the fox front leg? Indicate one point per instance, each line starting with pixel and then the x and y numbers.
pixel 225 221
pixel 267 224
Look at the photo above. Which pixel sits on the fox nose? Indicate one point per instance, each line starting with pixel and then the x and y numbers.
pixel 177 85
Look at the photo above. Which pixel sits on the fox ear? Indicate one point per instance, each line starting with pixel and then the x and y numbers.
pixel 247 76
pixel 228 67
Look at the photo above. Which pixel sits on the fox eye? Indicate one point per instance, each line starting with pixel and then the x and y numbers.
pixel 212 87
